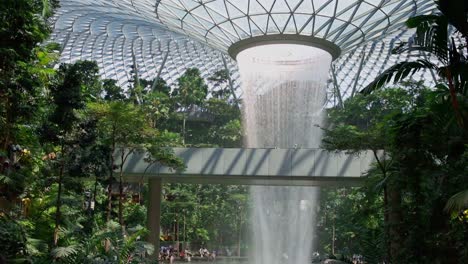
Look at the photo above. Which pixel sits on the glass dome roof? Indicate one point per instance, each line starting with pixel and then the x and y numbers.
pixel 346 23
pixel 110 32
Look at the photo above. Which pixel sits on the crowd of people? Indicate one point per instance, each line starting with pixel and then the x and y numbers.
pixel 170 254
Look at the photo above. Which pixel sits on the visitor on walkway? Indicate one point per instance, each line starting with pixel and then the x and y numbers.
pixel 182 254
pixel 206 253
pixel 188 255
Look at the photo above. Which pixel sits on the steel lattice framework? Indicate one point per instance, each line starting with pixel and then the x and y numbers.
pixel 111 32
pixel 198 33
pixel 346 23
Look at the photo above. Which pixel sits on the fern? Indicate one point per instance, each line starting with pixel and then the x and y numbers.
pixel 64 252
pixel 6 180
pixel 457 202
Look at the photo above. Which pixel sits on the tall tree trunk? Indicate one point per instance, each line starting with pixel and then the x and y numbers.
pixel 455 104
pixel 333 237
pixel 121 192
pixel 111 177
pixel 8 123
pixel 96 182
pixel 59 199
pixel 183 130
pixel 395 219
pixel 109 200
pixel 239 235
pixel 386 225
pixel 382 166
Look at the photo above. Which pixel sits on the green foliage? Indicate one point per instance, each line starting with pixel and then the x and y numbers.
pixel 113 92
pixel 399 72
pixel 422 166
pixel 434 37
pixel 21 30
pixel 197 210
pixel 68 122
pixel 191 89
pixel 353 215
pixel 12 239
pixel 364 123
pixel 107 245
pixel 135 214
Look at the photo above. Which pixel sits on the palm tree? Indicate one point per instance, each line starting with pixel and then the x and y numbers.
pixel 443 35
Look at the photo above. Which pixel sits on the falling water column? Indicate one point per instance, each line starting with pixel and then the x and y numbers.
pixel 284 95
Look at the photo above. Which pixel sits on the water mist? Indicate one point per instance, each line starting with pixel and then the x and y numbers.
pixel 284 95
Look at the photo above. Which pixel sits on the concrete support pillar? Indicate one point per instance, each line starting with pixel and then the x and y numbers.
pixel 154 213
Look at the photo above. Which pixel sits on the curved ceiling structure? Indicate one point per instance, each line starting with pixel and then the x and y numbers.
pixel 111 32
pixel 198 33
pixel 346 23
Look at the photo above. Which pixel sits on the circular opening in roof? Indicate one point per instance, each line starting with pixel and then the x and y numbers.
pixel 293 40
pixel 282 55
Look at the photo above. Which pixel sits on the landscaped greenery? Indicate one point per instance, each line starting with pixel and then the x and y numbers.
pixel 413 208
pixel 62 191
pixel 59 125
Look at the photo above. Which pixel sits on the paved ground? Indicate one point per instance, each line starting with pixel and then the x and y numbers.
pixel 221 260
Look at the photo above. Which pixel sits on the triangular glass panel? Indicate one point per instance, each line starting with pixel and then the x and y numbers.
pixel 335 26
pixel 308 27
pixel 256 29
pixel 242 26
pixel 365 9
pixel 217 18
pixel 281 20
pixel 280 6
pixel 348 14
pixel 301 20
pixel 260 21
pixel 256 8
pixel 290 27
pixel 215 32
pixel 217 6
pixel 271 26
pixel 190 4
pixel 328 9
pixel 343 6
pixel 229 29
pixel 233 11
pixel 305 7
pixel 267 4
pixel 241 5
pixel 294 3
pixel 320 25
pixel 320 4
pixel 203 17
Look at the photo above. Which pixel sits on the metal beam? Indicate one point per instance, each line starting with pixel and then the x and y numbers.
pixel 230 82
pixel 136 83
pixel 356 78
pixel 160 71
pixel 335 85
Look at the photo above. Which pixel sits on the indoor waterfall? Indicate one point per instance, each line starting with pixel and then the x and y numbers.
pixel 284 94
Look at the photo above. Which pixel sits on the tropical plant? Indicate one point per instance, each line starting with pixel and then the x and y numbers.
pixel 191 91
pixel 12 240
pixel 92 249
pixel 435 37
